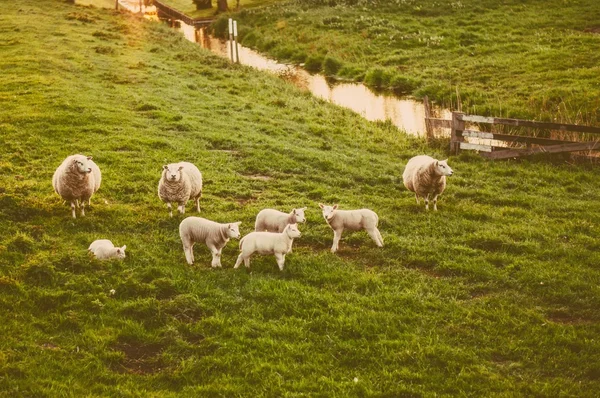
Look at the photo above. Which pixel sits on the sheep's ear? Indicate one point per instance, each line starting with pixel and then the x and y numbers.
pixel 335 206
pixel 180 168
pixel 304 208
pixel 321 205
pixel 238 223
pixel 165 167
pixel 437 162
pixel 89 158
pixel 124 247
pixel 445 161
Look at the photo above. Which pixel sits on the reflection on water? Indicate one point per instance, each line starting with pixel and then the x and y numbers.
pixel 405 113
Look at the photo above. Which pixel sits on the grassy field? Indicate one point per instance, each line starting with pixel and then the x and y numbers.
pixel 189 8
pixel 515 58
pixel 497 294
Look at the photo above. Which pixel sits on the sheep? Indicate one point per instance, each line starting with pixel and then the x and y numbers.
pixel 74 180
pixel 103 249
pixel 426 176
pixel 353 220
pixel 97 177
pixel 215 235
pixel 275 221
pixel 277 243
pixel 179 183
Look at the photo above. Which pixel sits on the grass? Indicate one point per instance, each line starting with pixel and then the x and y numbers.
pixel 515 58
pixel 189 8
pixel 494 295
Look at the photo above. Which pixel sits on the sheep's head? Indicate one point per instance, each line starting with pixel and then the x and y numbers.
pixel 172 172
pixel 299 213
pixel 328 211
pixel 82 164
pixel 233 230
pixel 292 231
pixel 121 252
pixel 442 168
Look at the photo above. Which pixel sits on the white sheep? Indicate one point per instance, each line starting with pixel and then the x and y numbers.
pixel 104 249
pixel 74 181
pixel 275 221
pixel 353 220
pixel 179 183
pixel 97 177
pixel 277 243
pixel 214 235
pixel 426 176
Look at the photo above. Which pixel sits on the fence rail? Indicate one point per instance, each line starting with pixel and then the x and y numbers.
pixel 458 133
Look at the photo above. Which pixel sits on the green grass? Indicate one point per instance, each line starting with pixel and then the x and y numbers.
pixel 189 8
pixel 515 58
pixel 494 295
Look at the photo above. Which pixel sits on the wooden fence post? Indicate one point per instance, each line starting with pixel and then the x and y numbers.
pixel 458 125
pixel 428 127
pixel 117 5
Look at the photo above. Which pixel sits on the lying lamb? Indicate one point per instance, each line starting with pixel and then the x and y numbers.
pixel 74 181
pixel 275 243
pixel 353 220
pixel 426 176
pixel 179 183
pixel 104 249
pixel 215 235
pixel 275 221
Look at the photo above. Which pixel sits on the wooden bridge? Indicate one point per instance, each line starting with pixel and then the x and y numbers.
pixel 165 11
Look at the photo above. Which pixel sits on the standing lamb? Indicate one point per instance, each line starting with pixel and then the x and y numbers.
pixel 275 243
pixel 354 220
pixel 104 249
pixel 426 176
pixel 275 221
pixel 74 181
pixel 215 235
pixel 179 183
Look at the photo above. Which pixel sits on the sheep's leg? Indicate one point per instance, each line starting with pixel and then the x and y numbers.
pixel 247 262
pixel 216 253
pixel 435 203
pixel 427 202
pixel 170 209
pixel 82 205
pixel 417 198
pixel 376 236
pixel 73 207
pixel 280 257
pixel 189 253
pixel 243 257
pixel 337 235
pixel 197 202
pixel 181 208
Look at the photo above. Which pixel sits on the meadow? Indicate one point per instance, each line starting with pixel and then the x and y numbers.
pixel 190 9
pixel 513 58
pixel 496 294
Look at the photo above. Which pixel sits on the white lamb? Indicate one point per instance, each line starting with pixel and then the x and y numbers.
pixel 426 176
pixel 275 243
pixel 215 235
pixel 275 221
pixel 353 220
pixel 179 183
pixel 74 181
pixel 104 249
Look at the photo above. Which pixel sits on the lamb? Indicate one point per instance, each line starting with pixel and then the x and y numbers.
pixel 353 220
pixel 214 235
pixel 74 180
pixel 275 221
pixel 104 249
pixel 426 176
pixel 179 183
pixel 277 243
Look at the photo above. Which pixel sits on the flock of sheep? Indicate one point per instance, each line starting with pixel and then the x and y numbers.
pixel 78 178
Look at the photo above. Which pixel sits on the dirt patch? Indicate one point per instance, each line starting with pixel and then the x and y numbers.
pixel 563 318
pixel 594 29
pixel 259 177
pixel 140 358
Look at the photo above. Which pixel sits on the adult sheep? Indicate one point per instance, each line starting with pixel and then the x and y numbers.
pixel 179 183
pixel 426 176
pixel 74 181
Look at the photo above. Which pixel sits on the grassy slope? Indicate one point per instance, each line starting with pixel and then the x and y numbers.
pixel 520 58
pixel 497 293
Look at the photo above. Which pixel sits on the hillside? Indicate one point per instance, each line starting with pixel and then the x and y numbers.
pixel 495 294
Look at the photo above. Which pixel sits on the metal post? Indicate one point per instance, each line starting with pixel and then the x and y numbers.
pixel 235 39
pixel 231 38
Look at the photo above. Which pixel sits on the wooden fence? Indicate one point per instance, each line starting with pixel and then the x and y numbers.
pixel 534 144
pixel 166 11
